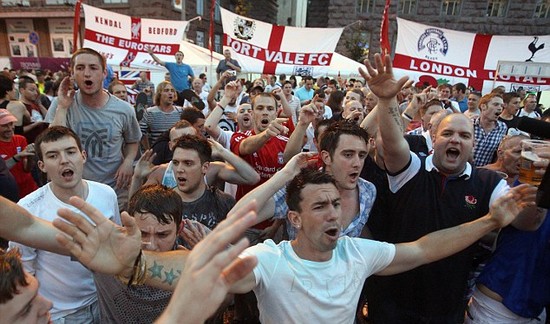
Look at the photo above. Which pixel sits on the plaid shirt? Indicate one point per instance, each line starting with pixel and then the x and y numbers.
pixel 487 143
pixel 367 194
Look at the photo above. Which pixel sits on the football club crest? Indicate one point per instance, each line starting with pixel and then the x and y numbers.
pixel 244 29
pixel 433 44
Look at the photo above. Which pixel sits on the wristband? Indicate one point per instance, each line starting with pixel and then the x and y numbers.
pixel 406 116
pixel 220 106
pixel 16 160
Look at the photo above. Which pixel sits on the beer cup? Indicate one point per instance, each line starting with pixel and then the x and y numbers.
pixel 529 150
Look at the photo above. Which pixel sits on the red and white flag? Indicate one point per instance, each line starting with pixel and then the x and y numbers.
pixel 430 54
pixel 123 39
pixel 260 47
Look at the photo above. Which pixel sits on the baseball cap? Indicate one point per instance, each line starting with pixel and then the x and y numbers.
pixel 6 117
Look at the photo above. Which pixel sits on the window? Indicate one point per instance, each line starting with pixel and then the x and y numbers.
pixel 200 38
pixel 497 8
pixel 408 7
pixel 60 2
pixel 218 43
pixel 217 13
pixel 365 6
pixel 20 3
pixel 200 7
pixel 542 9
pixel 450 8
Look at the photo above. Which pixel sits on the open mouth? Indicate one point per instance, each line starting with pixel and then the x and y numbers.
pixel 88 82
pixel 182 180
pixel 246 119
pixel 67 173
pixel 354 175
pixel 452 153
pixel 332 233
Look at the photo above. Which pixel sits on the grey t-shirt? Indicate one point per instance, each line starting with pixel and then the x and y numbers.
pixel 119 303
pixel 210 209
pixel 103 133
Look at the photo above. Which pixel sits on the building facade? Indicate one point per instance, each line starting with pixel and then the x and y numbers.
pixel 44 28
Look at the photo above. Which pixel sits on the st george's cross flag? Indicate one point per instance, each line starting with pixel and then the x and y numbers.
pixel 426 53
pixel 123 40
pixel 260 47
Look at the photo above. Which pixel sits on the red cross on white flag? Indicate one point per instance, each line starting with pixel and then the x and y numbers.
pixel 260 47
pixel 123 39
pixel 425 52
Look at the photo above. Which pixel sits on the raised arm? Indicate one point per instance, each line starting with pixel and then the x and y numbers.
pixel 438 245
pixel 211 124
pixel 263 194
pixel 254 143
pixel 65 97
pixel 234 170
pixel 217 86
pixel 306 116
pixel 105 247
pixel 383 84
pixel 20 226
pixel 159 61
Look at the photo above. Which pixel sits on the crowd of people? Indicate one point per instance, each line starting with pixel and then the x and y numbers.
pixel 370 199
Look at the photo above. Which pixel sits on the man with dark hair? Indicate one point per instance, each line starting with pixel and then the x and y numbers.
pixel 195 117
pixel 343 149
pixel 107 126
pixel 473 111
pixel 180 73
pixel 190 163
pixel 67 283
pixel 30 97
pixel 508 116
pixel 228 64
pixel 459 95
pixel 305 93
pixel 157 212
pixel 20 301
pixel 444 95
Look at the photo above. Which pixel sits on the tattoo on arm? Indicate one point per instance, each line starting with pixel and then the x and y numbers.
pixel 394 112
pixel 170 277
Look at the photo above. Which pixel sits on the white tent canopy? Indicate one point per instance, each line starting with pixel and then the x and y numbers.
pixel 345 67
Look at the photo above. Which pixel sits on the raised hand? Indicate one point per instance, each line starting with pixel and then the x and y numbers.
pixel 231 89
pixel 217 148
pixel 505 209
pixel 65 94
pixel 276 127
pixel 211 269
pixel 145 165
pixel 381 80
pixel 101 246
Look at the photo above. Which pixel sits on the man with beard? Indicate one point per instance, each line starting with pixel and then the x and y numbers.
pixel 488 130
pixel 440 191
pixel 64 281
pixel 107 126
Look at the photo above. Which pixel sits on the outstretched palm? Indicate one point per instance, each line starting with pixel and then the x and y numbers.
pixel 104 247
pixel 381 80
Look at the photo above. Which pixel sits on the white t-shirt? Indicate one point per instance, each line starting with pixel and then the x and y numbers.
pixel 293 290
pixel 63 280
